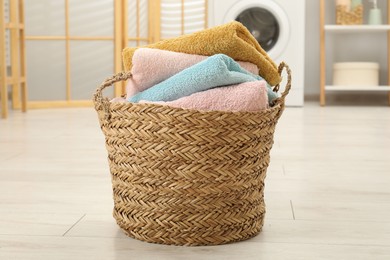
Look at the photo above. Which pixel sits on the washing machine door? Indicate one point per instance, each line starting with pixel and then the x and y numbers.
pixel 267 22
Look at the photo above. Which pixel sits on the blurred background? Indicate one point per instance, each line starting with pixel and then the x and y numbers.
pixel 56 52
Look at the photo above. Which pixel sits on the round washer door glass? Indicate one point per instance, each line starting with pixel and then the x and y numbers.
pixel 262 24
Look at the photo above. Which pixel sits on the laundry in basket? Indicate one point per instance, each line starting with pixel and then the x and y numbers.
pixel 187 176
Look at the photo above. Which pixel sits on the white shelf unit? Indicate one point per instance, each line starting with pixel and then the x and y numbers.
pixel 357 88
pixel 356 28
pixel 339 29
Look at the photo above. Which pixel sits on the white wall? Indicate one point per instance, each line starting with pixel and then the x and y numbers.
pixel 340 47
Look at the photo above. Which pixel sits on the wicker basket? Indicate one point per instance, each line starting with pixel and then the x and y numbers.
pixel 345 17
pixel 187 177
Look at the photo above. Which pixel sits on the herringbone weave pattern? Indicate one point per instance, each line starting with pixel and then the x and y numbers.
pixel 187 177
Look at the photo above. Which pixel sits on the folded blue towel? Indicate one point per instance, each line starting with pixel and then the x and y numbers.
pixel 217 70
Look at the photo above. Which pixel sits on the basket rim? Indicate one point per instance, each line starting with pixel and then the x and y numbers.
pixel 120 105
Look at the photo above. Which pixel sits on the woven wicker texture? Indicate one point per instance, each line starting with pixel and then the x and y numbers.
pixel 345 17
pixel 187 177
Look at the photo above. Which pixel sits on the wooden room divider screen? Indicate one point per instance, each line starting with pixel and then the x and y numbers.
pixel 12 55
pixel 70 49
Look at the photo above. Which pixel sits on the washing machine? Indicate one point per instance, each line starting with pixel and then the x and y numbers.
pixel 279 27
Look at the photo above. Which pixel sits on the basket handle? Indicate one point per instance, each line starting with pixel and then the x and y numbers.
pixel 287 88
pixel 98 99
pixel 103 103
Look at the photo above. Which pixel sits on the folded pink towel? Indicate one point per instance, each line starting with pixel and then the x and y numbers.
pixel 118 100
pixel 152 66
pixel 249 97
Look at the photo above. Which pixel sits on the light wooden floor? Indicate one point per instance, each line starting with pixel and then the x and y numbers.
pixel 327 190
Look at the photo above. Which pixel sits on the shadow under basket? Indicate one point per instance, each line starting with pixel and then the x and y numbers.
pixel 187 177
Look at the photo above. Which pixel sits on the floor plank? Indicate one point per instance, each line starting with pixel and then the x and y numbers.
pixel 326 190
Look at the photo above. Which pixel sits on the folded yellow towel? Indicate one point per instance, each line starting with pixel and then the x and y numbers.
pixel 232 39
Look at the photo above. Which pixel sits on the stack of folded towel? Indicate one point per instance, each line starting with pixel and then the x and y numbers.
pixel 221 68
